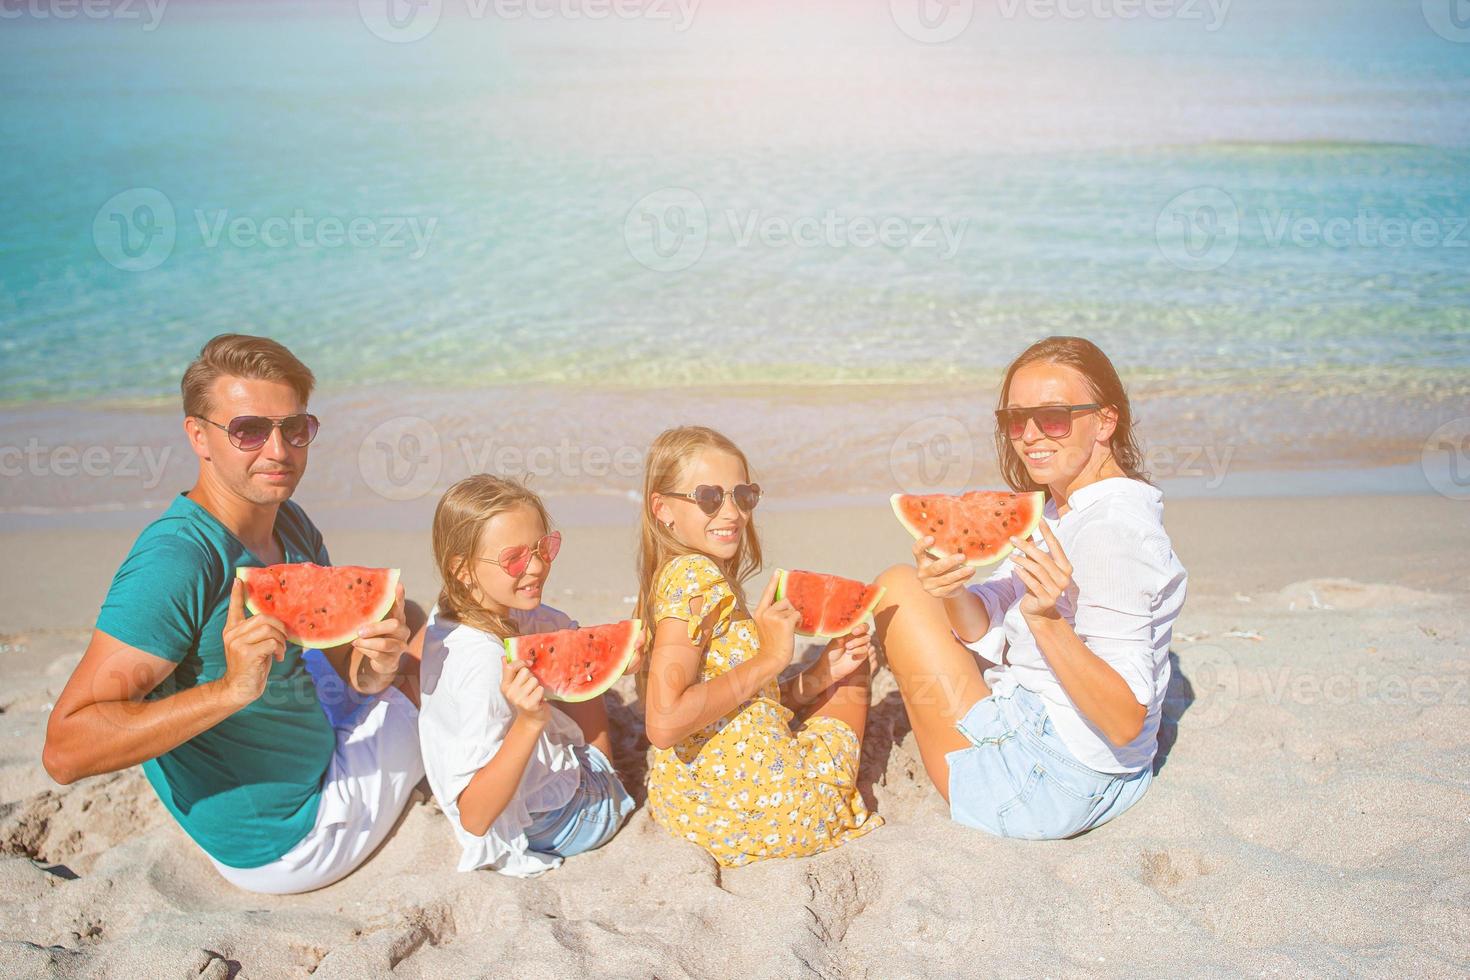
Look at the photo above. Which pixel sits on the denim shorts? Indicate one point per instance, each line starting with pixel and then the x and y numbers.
pixel 1019 780
pixel 591 817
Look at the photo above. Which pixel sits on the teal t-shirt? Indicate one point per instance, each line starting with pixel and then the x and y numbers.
pixel 247 789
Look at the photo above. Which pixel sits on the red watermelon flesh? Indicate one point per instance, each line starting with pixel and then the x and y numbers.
pixel 577 664
pixel 829 604
pixel 321 606
pixel 978 524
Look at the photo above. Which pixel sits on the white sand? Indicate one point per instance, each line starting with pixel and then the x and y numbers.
pixel 1312 816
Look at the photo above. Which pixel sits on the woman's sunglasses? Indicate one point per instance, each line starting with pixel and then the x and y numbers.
pixel 250 432
pixel 516 559
pixel 710 499
pixel 1054 421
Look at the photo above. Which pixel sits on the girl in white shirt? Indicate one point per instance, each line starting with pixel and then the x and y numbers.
pixel 1035 696
pixel 524 782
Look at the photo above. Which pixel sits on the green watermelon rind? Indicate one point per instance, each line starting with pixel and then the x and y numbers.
pixel 999 555
pixel 866 617
pixel 635 637
pixel 325 642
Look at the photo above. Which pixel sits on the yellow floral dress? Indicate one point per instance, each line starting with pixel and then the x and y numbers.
pixel 745 787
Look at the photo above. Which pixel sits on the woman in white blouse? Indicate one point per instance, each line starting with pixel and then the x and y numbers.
pixel 1035 696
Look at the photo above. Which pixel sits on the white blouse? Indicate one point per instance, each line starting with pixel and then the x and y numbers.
pixel 463 719
pixel 1128 588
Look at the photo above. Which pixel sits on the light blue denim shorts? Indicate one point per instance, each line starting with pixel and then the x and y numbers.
pixel 591 817
pixel 1019 780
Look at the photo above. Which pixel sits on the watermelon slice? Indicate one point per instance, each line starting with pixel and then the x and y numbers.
pixel 829 605
pixel 321 606
pixel 579 664
pixel 978 524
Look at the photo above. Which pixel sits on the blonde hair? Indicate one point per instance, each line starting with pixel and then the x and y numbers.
pixel 459 519
pixel 668 461
pixel 238 355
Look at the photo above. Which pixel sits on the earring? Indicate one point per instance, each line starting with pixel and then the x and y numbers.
pixel 669 525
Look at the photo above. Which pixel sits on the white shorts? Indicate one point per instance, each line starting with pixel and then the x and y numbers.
pixel 375 767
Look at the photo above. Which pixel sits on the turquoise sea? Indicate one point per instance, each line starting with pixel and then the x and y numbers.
pixel 1242 199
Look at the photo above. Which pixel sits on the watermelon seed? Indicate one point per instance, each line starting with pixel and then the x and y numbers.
pixel 268 597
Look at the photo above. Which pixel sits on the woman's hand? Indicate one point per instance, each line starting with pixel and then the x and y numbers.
pixel 525 693
pixel 941 577
pixel 1046 574
pixel 775 625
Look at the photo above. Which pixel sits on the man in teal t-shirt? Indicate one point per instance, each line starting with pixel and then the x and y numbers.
pixel 227 718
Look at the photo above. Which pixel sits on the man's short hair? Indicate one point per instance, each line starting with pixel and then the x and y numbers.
pixel 239 355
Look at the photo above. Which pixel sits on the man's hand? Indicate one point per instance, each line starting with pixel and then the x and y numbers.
pixel 252 646
pixel 383 644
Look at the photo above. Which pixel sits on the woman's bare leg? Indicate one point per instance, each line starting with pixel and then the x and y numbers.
pixel 938 677
pixel 847 701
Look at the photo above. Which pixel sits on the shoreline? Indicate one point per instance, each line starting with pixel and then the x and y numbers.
pixel 1244 543
pixel 386 454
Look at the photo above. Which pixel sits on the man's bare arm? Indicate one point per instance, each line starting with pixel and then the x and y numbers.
pixel 101 722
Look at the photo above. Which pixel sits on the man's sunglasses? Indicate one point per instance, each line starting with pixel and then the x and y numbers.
pixel 250 432
pixel 517 558
pixel 710 499
pixel 1054 421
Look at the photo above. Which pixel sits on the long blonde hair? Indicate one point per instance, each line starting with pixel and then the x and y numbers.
pixel 459 519
pixel 668 460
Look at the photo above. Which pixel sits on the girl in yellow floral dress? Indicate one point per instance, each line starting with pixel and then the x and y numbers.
pixel 728 772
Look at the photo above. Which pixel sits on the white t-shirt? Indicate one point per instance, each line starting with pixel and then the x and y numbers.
pixel 463 719
pixel 1128 590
